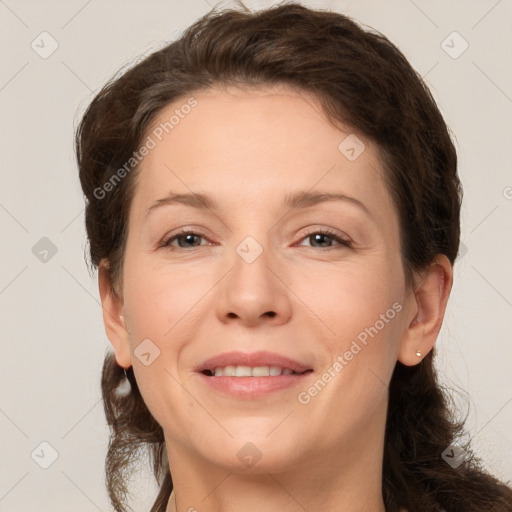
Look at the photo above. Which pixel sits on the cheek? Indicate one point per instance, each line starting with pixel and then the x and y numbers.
pixel 157 296
pixel 350 296
pixel 362 306
pixel 361 311
pixel 162 304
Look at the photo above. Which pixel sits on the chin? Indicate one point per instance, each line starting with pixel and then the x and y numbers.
pixel 251 451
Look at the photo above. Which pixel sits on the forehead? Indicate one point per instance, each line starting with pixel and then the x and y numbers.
pixel 254 145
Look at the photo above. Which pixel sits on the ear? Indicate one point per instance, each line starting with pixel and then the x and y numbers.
pixel 113 316
pixel 430 297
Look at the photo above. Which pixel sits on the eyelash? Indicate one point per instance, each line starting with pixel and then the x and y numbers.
pixel 166 242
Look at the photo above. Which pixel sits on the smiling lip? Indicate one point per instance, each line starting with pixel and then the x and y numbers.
pixel 261 358
pixel 252 387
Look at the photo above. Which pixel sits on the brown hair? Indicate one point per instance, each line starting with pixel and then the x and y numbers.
pixel 361 80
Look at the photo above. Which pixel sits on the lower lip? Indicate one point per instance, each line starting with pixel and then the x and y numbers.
pixel 252 387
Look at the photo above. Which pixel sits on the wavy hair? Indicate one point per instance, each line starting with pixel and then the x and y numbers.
pixel 361 80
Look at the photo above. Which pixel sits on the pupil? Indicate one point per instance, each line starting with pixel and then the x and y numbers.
pixel 189 238
pixel 320 235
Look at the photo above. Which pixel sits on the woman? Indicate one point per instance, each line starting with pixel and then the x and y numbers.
pixel 273 208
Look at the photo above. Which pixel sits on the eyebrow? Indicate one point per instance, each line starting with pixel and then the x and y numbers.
pixel 295 201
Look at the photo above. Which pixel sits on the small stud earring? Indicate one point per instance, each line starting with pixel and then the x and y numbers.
pixel 418 353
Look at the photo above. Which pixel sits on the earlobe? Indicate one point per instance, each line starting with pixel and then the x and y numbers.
pixel 114 316
pixel 431 296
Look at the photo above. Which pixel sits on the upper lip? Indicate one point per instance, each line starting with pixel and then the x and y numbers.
pixel 261 358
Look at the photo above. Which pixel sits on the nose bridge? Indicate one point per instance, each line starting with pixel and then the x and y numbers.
pixel 251 262
pixel 251 234
pixel 250 249
pixel 251 291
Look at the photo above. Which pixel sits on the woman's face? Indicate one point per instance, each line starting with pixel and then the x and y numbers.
pixel 258 275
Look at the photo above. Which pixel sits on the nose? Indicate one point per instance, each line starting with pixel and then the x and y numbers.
pixel 254 291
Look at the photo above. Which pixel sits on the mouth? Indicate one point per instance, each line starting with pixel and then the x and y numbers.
pixel 256 364
pixel 248 371
pixel 251 376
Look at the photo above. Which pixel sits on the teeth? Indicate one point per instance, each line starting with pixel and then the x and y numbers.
pixel 275 370
pixel 243 371
pixel 248 371
pixel 260 371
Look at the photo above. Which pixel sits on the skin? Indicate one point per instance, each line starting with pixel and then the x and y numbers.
pixel 249 148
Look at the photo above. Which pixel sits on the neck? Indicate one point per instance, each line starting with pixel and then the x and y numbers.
pixel 348 480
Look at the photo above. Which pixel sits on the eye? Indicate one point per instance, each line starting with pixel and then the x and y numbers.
pixel 189 239
pixel 322 235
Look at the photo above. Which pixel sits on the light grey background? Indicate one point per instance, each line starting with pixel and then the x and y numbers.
pixel 53 340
